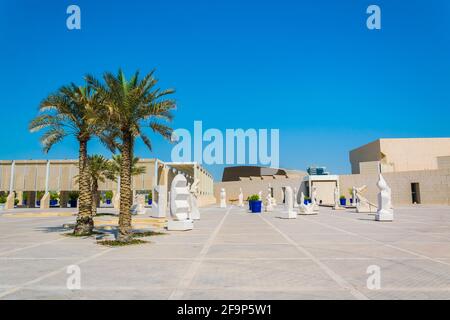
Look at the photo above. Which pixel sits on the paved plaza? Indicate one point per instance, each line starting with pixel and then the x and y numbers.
pixel 232 254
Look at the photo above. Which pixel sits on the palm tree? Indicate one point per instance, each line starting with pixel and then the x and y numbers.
pixel 67 112
pixel 131 105
pixel 99 169
pixel 115 166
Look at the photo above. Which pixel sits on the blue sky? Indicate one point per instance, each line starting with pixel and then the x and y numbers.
pixel 309 68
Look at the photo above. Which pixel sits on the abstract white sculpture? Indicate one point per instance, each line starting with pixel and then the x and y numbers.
pixel 139 205
pixel 385 211
pixel 223 198
pixel 195 213
pixel 362 204
pixel 269 206
pixel 337 200
pixel 179 205
pixel 314 199
pixel 289 212
pixel 159 203
pixel 295 198
pixel 241 198
pixel 305 209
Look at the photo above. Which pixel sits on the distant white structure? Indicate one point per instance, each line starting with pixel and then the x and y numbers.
pixel 269 206
pixel 337 205
pixel 314 199
pixel 179 205
pixel 195 213
pixel 241 198
pixel 223 198
pixel 305 209
pixel 385 211
pixel 295 198
pixel 289 212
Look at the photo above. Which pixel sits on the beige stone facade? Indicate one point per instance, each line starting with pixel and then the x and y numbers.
pixel 399 155
pixel 31 176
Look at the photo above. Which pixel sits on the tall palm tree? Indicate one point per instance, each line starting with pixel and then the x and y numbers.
pixel 67 112
pixel 131 105
pixel 99 169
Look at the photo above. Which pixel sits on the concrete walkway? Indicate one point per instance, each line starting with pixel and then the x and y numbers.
pixel 232 254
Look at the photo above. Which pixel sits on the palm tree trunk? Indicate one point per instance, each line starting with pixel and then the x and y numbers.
pixel 84 224
pixel 125 189
pixel 94 197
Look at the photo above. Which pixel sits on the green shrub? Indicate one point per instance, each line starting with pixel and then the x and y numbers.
pixel 2 198
pixel 150 195
pixel 108 195
pixel 342 197
pixel 54 195
pixel 73 195
pixel 254 197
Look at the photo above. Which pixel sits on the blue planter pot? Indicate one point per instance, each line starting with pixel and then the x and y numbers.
pixel 351 201
pixel 343 202
pixel 73 203
pixel 149 201
pixel 53 202
pixel 38 203
pixel 250 202
pixel 108 201
pixel 256 206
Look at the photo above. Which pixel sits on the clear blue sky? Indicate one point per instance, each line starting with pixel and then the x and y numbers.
pixel 310 68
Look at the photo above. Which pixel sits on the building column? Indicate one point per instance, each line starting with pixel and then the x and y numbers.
pixel 11 196
pixel 45 201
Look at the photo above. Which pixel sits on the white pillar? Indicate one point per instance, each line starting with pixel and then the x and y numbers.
pixel 11 180
pixel 47 174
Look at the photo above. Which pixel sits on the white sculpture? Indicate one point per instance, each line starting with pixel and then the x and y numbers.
pixel 195 213
pixel 314 199
pixel 295 198
pixel 269 206
pixel 223 198
pixel 354 196
pixel 289 212
pixel 362 204
pixel 159 202
pixel 139 205
pixel 305 209
pixel 179 205
pixel 385 211
pixel 241 198
pixel 337 200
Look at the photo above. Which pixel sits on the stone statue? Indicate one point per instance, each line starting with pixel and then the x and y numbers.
pixel 139 205
pixel 337 200
pixel 179 205
pixel 314 199
pixel 295 198
pixel 362 204
pixel 269 206
pixel 289 212
pixel 195 213
pixel 385 211
pixel 305 209
pixel 241 198
pixel 223 198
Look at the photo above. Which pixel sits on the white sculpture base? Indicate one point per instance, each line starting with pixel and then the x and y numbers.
pixel 10 201
pixel 45 201
pixel 307 210
pixel 384 216
pixel 184 225
pixel 288 215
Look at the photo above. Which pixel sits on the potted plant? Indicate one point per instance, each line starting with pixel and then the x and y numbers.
pixel 255 203
pixel 343 200
pixel 150 198
pixel 25 198
pixel 2 201
pixel 73 198
pixel 53 198
pixel 108 196
pixel 307 200
pixel 39 195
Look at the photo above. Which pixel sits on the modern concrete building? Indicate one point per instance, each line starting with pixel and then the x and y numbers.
pixel 32 177
pixel 399 155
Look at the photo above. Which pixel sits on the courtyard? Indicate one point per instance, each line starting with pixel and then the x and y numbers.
pixel 232 254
